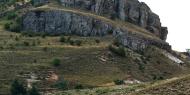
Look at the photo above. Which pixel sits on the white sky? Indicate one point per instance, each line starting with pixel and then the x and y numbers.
pixel 175 14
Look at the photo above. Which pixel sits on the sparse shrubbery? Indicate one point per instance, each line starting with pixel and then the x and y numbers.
pixel 33 34
pixel 56 62
pixel 119 82
pixel 118 50
pixel 70 41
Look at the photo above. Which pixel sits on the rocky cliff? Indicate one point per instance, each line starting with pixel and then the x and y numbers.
pixel 55 21
pixel 127 10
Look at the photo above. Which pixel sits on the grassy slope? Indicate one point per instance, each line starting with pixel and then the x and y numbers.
pixel 81 64
pixel 91 64
pixel 175 86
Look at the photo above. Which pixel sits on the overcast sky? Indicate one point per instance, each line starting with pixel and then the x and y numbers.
pixel 175 14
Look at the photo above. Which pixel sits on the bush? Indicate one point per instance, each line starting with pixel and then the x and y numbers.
pixel 7 26
pixel 56 62
pixel 78 42
pixel 17 88
pixel 13 27
pixel 11 15
pixel 79 86
pixel 97 41
pixel 33 91
pixel 62 39
pixel 119 82
pixel 63 85
pixel 33 34
pixel 26 43
pixel 71 42
pixel 118 50
pixel 45 49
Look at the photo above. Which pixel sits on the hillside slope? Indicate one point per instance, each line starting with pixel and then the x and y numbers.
pixel 59 48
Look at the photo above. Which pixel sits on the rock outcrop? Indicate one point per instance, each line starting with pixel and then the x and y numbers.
pixel 39 2
pixel 58 22
pixel 127 10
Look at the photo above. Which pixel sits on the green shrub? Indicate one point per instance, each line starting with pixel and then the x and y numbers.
pixel 45 49
pixel 56 62
pixel 72 42
pixel 141 67
pixel 62 39
pixel 11 15
pixel 26 43
pixel 63 85
pixel 33 34
pixel 79 86
pixel 13 27
pixel 97 41
pixel 118 50
pixel 68 39
pixel 7 26
pixel 119 82
pixel 33 91
pixel 78 42
pixel 17 88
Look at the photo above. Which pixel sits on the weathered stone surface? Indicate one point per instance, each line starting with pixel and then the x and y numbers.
pixel 127 10
pixel 58 22
pixel 164 33
pixel 39 2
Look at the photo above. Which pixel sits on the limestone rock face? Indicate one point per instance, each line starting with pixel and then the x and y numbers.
pixel 58 22
pixel 127 10
pixel 164 33
pixel 39 2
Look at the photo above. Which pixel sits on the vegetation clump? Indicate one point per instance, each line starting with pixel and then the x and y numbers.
pixel 63 85
pixel 119 82
pixel 56 62
pixel 118 50
pixel 17 88
pixel 13 27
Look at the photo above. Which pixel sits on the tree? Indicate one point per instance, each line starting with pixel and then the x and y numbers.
pixel 33 91
pixel 17 88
